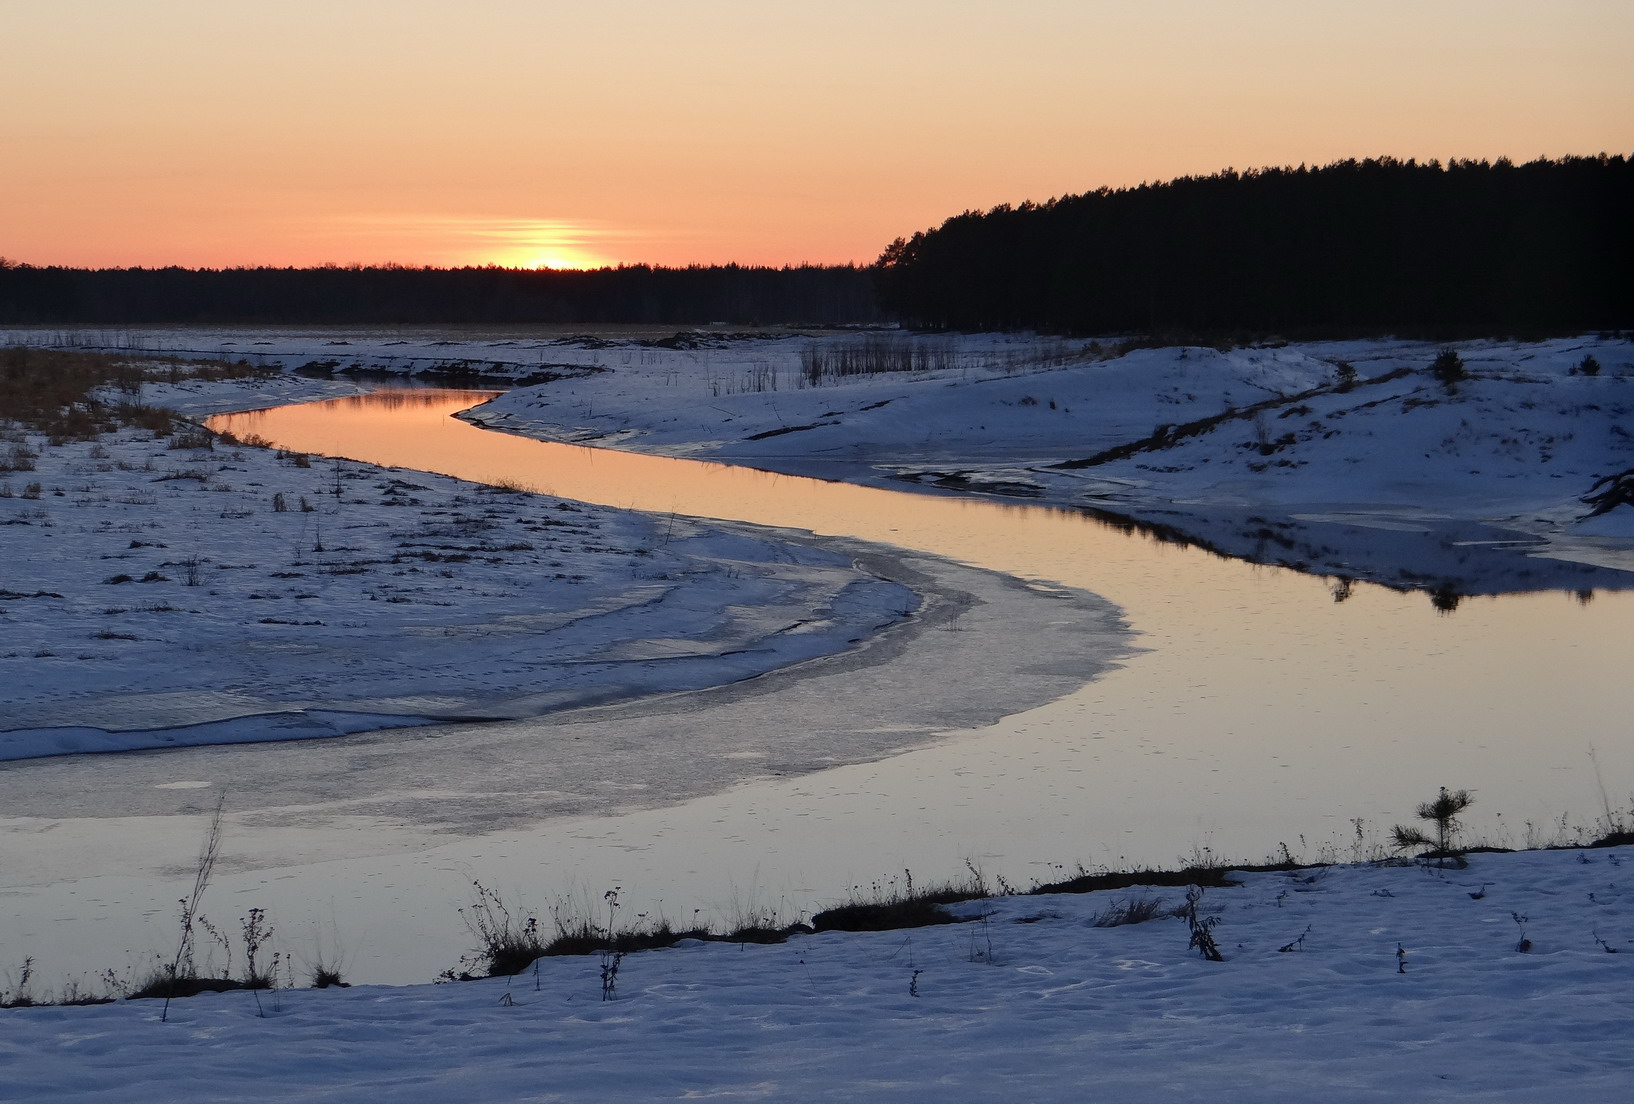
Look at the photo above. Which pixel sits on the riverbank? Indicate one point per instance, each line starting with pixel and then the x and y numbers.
pixel 1352 459
pixel 166 587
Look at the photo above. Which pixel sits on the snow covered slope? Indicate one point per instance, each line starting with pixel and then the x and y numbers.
pixel 1339 441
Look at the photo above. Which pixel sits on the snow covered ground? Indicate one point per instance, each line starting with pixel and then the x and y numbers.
pixel 1347 984
pixel 1260 452
pixel 170 590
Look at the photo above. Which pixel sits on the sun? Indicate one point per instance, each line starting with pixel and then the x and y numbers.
pixel 531 244
pixel 560 259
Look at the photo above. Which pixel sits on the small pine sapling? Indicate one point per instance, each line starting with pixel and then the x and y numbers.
pixel 1443 813
pixel 1448 368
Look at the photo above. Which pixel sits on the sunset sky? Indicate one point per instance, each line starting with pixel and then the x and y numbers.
pixel 572 133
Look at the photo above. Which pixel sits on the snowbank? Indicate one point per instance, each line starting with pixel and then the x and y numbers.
pixel 1354 983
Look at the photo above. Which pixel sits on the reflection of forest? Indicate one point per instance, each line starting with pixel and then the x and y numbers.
pixel 1448 560
pixel 405 398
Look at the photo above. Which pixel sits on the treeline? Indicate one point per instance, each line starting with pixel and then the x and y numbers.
pixel 809 294
pixel 1355 247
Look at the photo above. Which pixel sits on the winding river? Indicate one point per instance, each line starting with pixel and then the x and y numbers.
pixel 1259 711
pixel 1260 703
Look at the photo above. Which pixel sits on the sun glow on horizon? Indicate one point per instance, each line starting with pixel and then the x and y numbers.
pixel 555 262
pixel 522 243
pixel 429 134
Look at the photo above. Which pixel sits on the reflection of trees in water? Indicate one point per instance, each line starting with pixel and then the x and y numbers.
pixel 1482 567
pixel 1611 492
pixel 404 398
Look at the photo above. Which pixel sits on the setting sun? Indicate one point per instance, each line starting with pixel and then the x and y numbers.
pixel 506 242
pixel 560 261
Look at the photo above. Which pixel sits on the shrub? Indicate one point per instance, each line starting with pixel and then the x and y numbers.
pixel 257 932
pixel 194 438
pixel 505 944
pixel 1448 367
pixel 19 995
pixel 325 977
pixel 1201 927
pixel 508 486
pixel 1443 813
pixel 1135 910
pixel 889 906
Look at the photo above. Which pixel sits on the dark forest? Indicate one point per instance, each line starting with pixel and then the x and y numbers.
pixel 1352 248
pixel 395 294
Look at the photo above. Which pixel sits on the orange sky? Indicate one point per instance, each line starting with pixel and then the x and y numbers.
pixel 519 132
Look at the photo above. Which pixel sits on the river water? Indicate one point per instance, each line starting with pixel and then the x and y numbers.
pixel 1257 690
pixel 1258 711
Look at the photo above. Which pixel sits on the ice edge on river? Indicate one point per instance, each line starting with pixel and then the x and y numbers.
pixel 728 603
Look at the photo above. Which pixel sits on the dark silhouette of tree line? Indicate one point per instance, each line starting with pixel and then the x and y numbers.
pixel 745 295
pixel 1355 247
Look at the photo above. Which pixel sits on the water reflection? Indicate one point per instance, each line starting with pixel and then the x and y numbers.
pixel 403 398
pixel 1445 560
